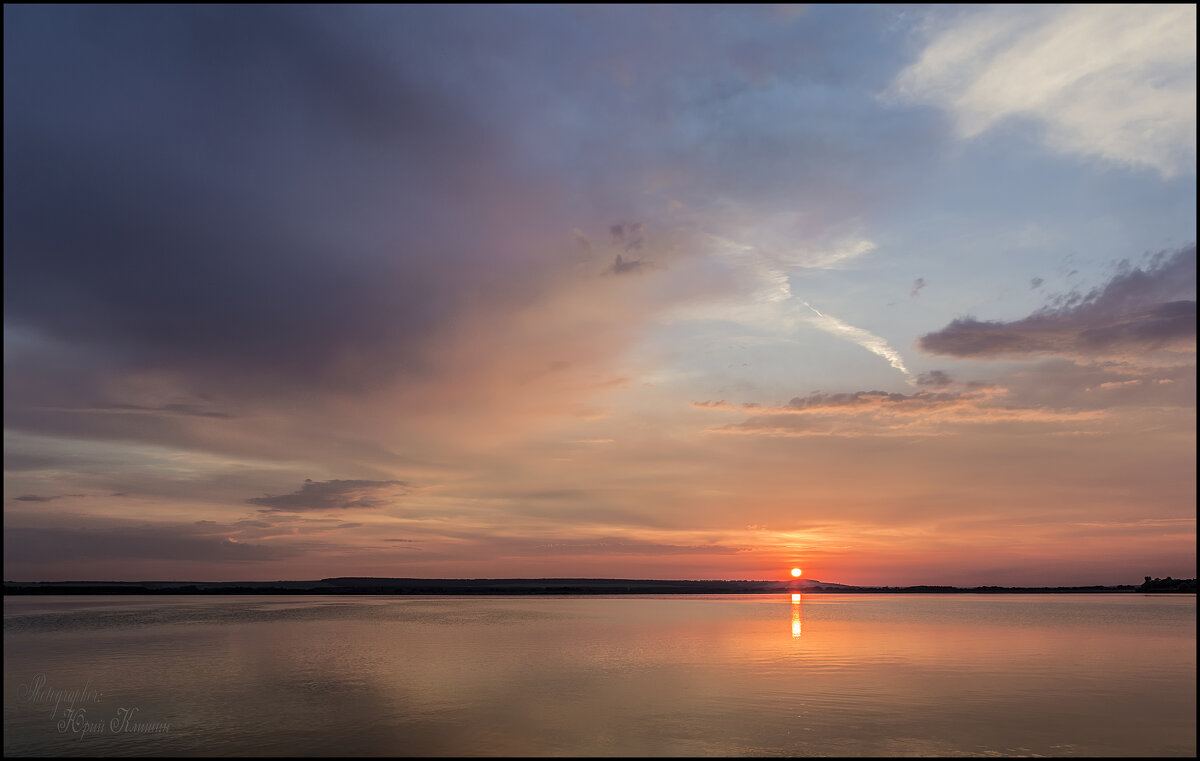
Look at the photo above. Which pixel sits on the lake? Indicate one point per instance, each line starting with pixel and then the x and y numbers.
pixel 680 675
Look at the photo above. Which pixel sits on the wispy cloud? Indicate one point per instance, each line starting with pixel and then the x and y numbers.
pixel 622 546
pixel 1116 82
pixel 879 413
pixel 832 256
pixel 125 541
pixel 772 303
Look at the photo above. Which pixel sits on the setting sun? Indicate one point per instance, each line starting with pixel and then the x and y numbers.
pixel 795 571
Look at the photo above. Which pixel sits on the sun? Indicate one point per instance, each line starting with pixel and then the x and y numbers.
pixel 795 571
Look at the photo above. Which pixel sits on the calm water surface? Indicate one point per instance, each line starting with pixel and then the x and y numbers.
pixel 833 675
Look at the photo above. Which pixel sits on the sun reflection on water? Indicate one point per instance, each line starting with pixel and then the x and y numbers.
pixel 796 616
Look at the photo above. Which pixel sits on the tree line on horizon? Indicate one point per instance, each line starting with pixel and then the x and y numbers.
pixel 1167 585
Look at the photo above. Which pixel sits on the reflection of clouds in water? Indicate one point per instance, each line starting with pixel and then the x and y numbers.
pixel 249 610
pixel 372 675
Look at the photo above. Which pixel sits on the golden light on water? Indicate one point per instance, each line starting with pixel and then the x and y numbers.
pixel 795 571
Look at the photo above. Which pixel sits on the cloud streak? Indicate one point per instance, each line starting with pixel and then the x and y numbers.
pixel 863 338
pixel 774 304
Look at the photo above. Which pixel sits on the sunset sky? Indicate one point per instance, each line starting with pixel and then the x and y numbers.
pixel 894 294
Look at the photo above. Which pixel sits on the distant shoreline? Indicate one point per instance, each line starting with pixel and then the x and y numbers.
pixel 401 586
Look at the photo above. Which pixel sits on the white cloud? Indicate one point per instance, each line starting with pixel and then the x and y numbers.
pixel 863 338
pixel 770 304
pixel 760 295
pixel 829 257
pixel 1116 82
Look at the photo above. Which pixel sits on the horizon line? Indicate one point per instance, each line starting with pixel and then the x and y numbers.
pixel 328 579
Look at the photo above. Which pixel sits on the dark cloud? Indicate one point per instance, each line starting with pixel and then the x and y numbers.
pixel 974 395
pixel 1050 392
pixel 1139 310
pixel 934 378
pixel 1036 283
pixel 615 546
pixel 245 196
pixel 16 461
pixel 621 266
pixel 37 498
pixel 185 410
pixel 282 529
pixel 268 203
pixel 880 399
pixel 190 410
pixel 917 285
pixel 1039 397
pixel 333 495
pixel 1066 384
pixel 35 545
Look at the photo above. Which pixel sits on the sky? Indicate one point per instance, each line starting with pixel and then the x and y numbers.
pixel 894 294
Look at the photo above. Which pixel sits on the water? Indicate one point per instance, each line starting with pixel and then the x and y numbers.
pixel 723 675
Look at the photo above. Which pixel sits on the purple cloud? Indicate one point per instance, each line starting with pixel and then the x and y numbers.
pixel 332 495
pixel 1139 310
